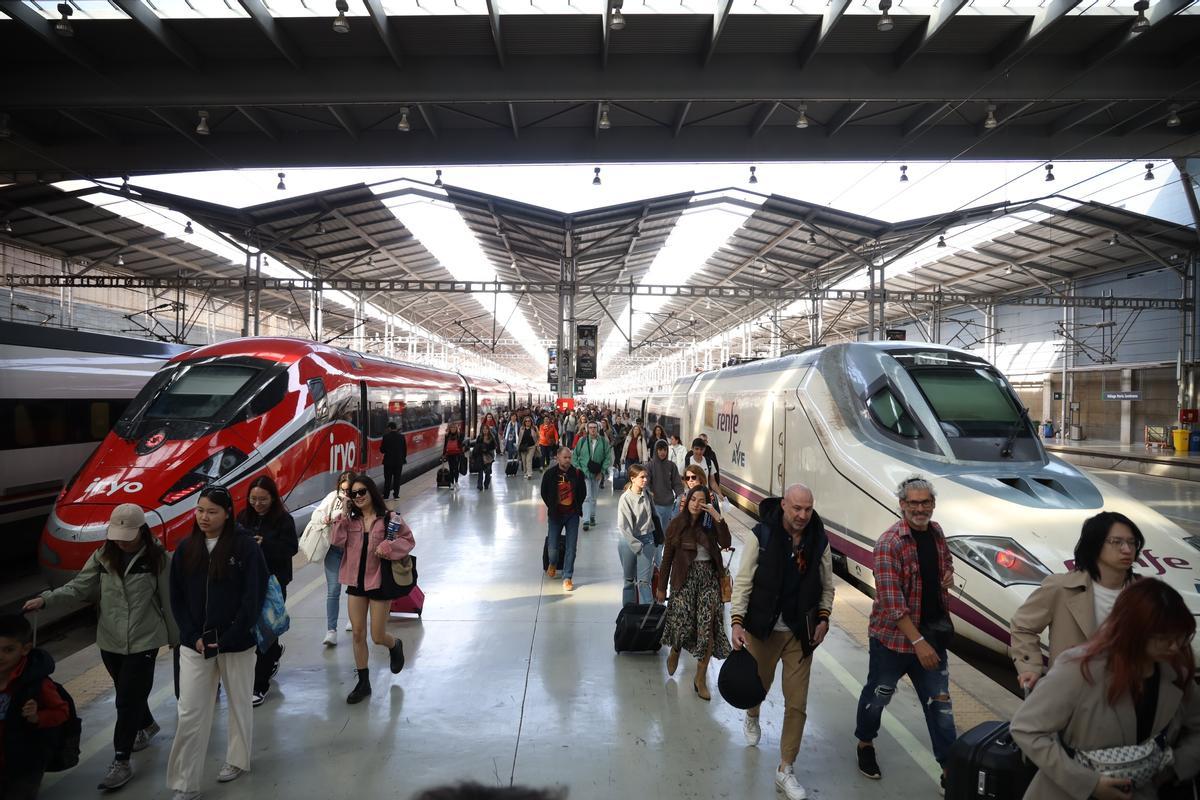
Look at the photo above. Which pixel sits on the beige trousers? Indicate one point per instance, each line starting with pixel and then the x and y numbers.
pixel 784 646
pixel 198 679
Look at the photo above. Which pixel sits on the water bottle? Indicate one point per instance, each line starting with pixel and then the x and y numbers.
pixel 393 527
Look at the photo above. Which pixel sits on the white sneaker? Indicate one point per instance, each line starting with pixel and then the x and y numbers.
pixel 751 730
pixel 349 625
pixel 330 639
pixel 231 773
pixel 785 781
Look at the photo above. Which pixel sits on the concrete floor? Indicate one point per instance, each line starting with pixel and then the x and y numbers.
pixel 1178 500
pixel 1153 462
pixel 510 680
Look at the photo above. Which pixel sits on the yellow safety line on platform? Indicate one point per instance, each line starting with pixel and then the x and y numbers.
pixel 102 739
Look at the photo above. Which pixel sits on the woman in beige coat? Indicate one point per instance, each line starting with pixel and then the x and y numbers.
pixel 1074 605
pixel 1131 682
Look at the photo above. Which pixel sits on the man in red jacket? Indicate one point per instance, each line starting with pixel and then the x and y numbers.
pixel 563 491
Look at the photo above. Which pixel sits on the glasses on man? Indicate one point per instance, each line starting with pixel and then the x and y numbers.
pixel 1121 544
pixel 919 503
pixel 357 493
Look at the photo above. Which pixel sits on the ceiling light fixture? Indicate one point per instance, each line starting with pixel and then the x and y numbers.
pixel 802 120
pixel 202 125
pixel 617 21
pixel 437 181
pixel 340 23
pixel 1049 173
pixel 188 227
pixel 1114 240
pixel 753 177
pixel 1173 120
pixel 941 242
pixel 604 123
pixel 989 121
pixel 8 226
pixel 281 186
pixel 404 126
pixel 63 26
pixel 596 180
pixel 120 260
pixel 1008 270
pixel 762 267
pixel 124 184
pixel 1140 24
pixel 812 238
pixel 885 23
pixel 1149 172
pixel 904 173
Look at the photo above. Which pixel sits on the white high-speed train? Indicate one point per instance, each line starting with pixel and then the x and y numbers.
pixel 60 393
pixel 853 420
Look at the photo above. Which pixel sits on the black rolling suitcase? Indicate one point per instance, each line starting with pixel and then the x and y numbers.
pixel 562 552
pixel 511 467
pixel 986 764
pixel 639 628
pixel 443 478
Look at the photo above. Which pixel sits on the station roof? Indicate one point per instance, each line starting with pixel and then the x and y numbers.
pixel 991 253
pixel 504 81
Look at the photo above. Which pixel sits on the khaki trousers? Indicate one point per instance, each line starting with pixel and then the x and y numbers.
pixel 784 646
pixel 198 679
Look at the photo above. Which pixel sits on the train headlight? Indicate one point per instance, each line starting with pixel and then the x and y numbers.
pixel 1001 559
pixel 210 469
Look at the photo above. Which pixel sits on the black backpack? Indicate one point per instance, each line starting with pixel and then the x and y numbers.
pixel 63 741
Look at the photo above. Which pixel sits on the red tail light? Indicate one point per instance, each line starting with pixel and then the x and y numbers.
pixel 1006 559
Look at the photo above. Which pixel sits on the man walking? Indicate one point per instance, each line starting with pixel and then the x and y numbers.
pixel 910 625
pixel 563 492
pixel 782 598
pixel 394 448
pixel 664 484
pixel 593 457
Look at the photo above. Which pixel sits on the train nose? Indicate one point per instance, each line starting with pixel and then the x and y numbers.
pixel 72 533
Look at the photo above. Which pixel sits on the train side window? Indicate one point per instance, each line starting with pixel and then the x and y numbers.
pixel 316 390
pixel 100 419
pixel 378 416
pixel 270 395
pixel 890 413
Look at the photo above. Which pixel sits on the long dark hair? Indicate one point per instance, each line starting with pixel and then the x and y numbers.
pixel 1143 610
pixel 153 552
pixel 1091 540
pixel 276 509
pixel 196 556
pixel 377 503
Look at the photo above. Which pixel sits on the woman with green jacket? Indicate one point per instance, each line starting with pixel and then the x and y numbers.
pixel 129 578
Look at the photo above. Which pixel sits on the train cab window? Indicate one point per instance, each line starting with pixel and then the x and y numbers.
pixel 969 402
pixel 270 395
pixel 316 390
pixel 200 391
pixel 890 413
pixel 343 404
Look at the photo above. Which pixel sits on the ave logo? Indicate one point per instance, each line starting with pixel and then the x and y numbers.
pixel 342 456
pixel 110 486
pixel 727 422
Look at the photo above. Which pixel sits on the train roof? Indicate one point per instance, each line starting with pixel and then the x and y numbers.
pixel 810 355
pixel 52 338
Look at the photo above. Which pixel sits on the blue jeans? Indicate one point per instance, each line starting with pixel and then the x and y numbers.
pixel 885 670
pixel 638 569
pixel 555 526
pixel 333 589
pixel 593 491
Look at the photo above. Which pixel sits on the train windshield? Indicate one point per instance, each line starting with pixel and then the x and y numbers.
pixel 969 402
pixel 200 391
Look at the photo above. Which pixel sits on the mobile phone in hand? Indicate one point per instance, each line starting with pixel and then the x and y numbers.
pixel 209 638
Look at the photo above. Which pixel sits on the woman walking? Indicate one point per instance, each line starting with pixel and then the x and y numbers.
pixel 636 548
pixel 1130 684
pixel 484 454
pixel 316 546
pixel 218 584
pixel 366 572
pixel 526 442
pixel 633 448
pixel 454 450
pixel 273 529
pixel 130 578
pixel 693 566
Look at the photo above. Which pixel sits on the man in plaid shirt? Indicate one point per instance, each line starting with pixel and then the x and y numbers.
pixel 910 625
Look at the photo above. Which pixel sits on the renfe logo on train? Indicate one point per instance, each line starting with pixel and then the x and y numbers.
pixel 727 422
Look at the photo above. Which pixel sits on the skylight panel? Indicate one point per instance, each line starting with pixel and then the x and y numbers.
pixel 197 9
pixel 83 9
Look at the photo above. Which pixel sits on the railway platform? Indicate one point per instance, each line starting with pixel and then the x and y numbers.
pixel 511 680
pixel 1159 462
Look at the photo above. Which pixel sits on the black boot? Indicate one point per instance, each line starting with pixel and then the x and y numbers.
pixel 361 690
pixel 396 652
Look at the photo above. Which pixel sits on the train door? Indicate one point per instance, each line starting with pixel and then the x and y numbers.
pixel 779 438
pixel 473 414
pixel 364 416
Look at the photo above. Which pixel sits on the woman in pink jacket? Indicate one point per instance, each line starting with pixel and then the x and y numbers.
pixel 371 537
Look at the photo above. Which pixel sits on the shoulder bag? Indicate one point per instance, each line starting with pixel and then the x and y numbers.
pixel 726 578
pixel 404 571
pixel 1139 763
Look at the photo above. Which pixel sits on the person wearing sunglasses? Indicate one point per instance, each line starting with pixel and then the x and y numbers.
pixel 315 545
pixel 366 572
pixel 910 627
pixel 218 585
pixel 1075 604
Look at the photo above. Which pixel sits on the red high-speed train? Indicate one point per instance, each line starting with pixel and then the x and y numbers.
pixel 226 413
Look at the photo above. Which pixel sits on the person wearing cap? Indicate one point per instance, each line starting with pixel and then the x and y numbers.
pixel 782 598
pixel 129 576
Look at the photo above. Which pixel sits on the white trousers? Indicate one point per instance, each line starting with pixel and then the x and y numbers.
pixel 198 678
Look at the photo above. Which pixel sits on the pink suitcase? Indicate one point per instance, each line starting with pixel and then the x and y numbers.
pixel 411 603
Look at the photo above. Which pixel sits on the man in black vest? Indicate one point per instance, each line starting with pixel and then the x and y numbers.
pixel 782 598
pixel 395 454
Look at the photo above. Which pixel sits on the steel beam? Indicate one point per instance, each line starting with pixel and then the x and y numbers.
pixel 426 112
pixel 271 28
pixel 493 9
pixel 94 123
pixel 1077 116
pixel 681 119
pixel 259 119
pixel 391 41
pixel 842 118
pixel 1024 40
pixel 813 43
pixel 720 17
pixel 512 118
pixel 342 115
pixel 927 114
pixel 760 119
pixel 69 47
pixel 171 41
pixel 922 35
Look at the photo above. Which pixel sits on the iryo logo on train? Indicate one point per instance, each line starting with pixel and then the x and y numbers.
pixel 110 486
pixel 342 456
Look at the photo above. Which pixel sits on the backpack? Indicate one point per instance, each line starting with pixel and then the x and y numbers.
pixel 63 741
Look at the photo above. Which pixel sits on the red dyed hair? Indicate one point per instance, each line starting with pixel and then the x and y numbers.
pixel 1144 609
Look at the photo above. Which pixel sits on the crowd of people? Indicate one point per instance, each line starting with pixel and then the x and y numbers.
pixel 1120 671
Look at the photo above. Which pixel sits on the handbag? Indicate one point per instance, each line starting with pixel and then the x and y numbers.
pixel 1139 763
pixel 314 542
pixel 404 571
pixel 726 578
pixel 273 620
pixel 658 531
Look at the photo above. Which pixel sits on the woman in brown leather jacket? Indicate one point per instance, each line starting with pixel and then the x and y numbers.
pixel 692 562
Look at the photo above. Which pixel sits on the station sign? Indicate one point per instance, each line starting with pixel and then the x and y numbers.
pixel 1122 395
pixel 552 369
pixel 585 351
